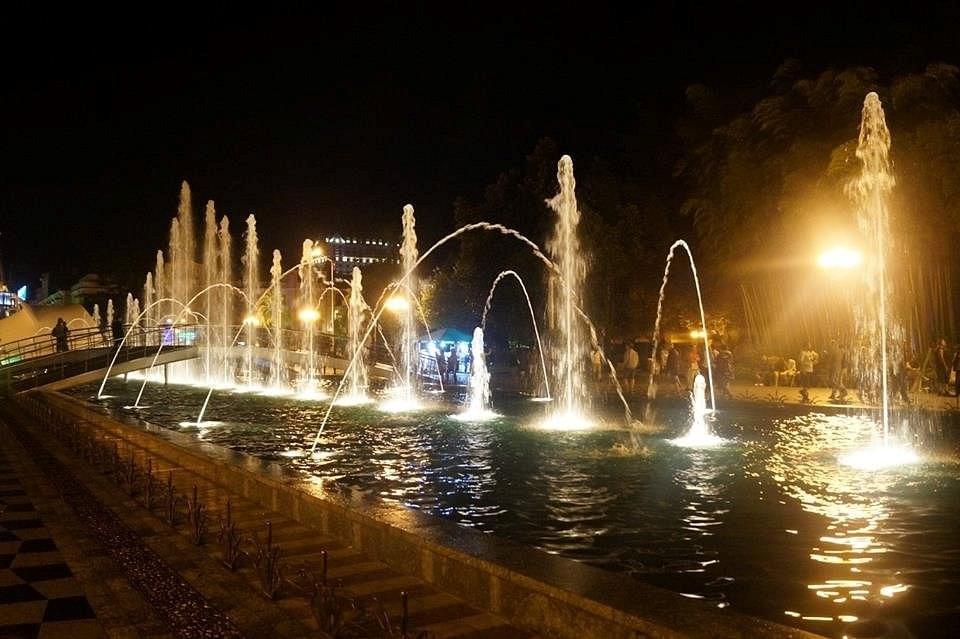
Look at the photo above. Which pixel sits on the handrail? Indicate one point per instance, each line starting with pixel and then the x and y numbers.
pixel 37 346
pixel 45 345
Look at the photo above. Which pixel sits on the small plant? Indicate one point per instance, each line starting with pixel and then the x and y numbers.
pixel 150 485
pixel 197 516
pixel 114 461
pixel 130 475
pixel 230 540
pixel 267 561
pixel 171 510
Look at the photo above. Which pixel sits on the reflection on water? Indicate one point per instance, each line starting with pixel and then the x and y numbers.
pixel 770 524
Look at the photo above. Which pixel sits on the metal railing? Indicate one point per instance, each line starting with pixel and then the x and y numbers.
pixel 45 345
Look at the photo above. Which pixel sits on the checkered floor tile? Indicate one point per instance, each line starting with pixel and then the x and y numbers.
pixel 39 597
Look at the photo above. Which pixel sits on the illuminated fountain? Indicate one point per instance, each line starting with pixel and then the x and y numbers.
pixel 225 302
pixel 276 306
pixel 404 397
pixel 533 320
pixel 570 345
pixel 308 316
pixel 870 190
pixel 252 284
pixel 478 405
pixel 209 278
pixel 356 390
pixel 148 296
pixel 408 256
pixel 699 434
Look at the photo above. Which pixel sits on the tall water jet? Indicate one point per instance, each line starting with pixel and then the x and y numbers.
pixel 148 296
pixel 570 346
pixel 252 284
pixel 160 287
pixel 225 275
pixel 357 379
pixel 478 406
pixel 188 253
pixel 128 310
pixel 408 259
pixel 307 313
pixel 176 267
pixel 135 320
pixel 109 313
pixel 209 278
pixel 870 190
pixel 96 316
pixel 276 270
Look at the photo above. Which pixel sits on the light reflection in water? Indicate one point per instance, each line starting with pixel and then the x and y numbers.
pixel 769 524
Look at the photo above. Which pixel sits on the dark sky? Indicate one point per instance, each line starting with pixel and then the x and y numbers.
pixel 332 121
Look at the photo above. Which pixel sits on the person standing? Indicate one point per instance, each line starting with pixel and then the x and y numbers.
pixel 835 356
pixel 60 332
pixel 940 365
pixel 596 360
pixel 452 363
pixel 808 359
pixel 673 367
pixel 956 374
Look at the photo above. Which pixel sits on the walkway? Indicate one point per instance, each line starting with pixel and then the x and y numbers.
pixel 239 594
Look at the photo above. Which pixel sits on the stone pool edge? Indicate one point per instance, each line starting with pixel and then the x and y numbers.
pixel 546 594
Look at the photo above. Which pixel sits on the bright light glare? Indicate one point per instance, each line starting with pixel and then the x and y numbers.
pixel 399 405
pixel 397 304
pixel 566 422
pixel 697 334
pixel 840 257
pixel 251 320
pixel 308 315
pixel 475 416
pixel 879 457
pixel 697 440
pixel 352 400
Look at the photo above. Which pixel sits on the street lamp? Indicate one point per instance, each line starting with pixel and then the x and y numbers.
pixel 840 258
pixel 308 315
pixel 397 304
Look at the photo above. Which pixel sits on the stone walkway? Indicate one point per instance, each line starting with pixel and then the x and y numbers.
pixel 39 593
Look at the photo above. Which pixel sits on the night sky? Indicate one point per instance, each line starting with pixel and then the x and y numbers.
pixel 332 121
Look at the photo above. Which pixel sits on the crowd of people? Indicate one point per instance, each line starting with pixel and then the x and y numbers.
pixel 844 366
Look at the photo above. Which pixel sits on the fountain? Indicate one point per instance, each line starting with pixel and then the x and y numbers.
pixel 570 347
pixel 209 278
pixel 148 297
pixel 308 316
pixel 699 434
pixel 478 406
pixel 357 380
pixel 110 315
pixel 533 320
pixel 225 276
pixel 408 258
pixel 870 191
pixel 160 288
pixel 651 386
pixel 252 284
pixel 276 271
